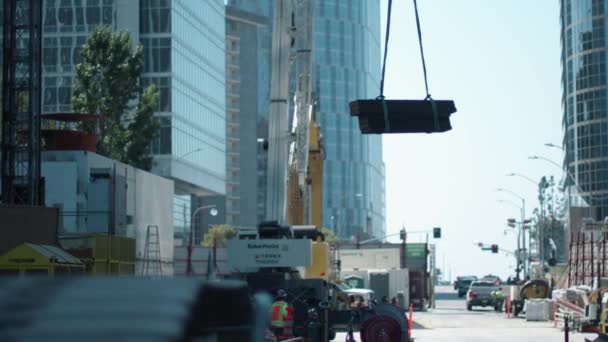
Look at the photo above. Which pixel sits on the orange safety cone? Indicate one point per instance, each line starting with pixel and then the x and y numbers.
pixel 410 321
pixel 555 315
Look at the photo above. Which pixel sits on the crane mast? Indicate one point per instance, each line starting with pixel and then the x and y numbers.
pixel 292 40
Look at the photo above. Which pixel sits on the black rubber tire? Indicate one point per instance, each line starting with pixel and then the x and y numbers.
pixel 469 307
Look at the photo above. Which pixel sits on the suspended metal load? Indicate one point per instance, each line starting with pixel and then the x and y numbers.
pixel 379 116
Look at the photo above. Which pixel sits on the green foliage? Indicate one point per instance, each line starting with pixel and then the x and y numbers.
pixel 330 237
pixel 107 84
pixel 144 129
pixel 220 234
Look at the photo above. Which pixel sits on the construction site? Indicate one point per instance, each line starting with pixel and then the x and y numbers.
pixel 76 222
pixel 95 247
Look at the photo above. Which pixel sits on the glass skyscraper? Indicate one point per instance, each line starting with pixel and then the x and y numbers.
pixel 184 44
pixel 246 93
pixel 584 100
pixel 347 67
pixel 262 8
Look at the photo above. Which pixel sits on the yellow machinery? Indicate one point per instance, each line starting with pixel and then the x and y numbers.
pixel 32 259
pixel 102 253
pixel 296 206
pixel 296 202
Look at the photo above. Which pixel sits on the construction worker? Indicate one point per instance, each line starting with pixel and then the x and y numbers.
pixel 281 320
pixel 499 298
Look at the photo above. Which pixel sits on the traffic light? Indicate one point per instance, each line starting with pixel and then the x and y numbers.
pixel 494 248
pixel 437 232
pixel 403 235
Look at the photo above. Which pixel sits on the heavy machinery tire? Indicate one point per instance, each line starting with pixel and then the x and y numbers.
pixel 469 307
pixel 379 329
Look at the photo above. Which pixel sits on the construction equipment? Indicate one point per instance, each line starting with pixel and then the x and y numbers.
pixel 101 253
pixel 21 105
pixel 130 309
pixel 33 259
pixel 289 251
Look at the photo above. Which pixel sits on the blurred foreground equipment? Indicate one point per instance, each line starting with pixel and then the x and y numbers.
pixel 129 309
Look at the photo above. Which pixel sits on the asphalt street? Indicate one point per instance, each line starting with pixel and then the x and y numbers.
pixel 450 321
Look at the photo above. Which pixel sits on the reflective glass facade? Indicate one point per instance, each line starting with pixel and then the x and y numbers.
pixel 184 56
pixel 584 86
pixel 66 25
pixel 347 67
pixel 184 43
pixel 243 94
pixel 262 8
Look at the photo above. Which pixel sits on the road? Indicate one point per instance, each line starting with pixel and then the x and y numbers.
pixel 450 321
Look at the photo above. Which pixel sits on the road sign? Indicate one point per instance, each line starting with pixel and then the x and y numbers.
pixel 416 250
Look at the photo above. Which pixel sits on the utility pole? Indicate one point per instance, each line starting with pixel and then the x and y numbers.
pixel 403 234
pixel 523 237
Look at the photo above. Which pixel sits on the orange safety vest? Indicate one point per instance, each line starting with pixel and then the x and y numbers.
pixel 279 314
pixel 288 323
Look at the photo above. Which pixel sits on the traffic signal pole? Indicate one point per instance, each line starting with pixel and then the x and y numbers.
pixel 523 237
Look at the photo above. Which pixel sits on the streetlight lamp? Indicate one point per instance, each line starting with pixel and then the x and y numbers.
pixel 553 145
pixel 523 216
pixel 213 212
pixel 542 215
pixel 522 176
pixel 520 231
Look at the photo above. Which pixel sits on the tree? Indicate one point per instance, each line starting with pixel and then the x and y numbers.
pixel 107 84
pixel 550 217
pixel 330 237
pixel 143 130
pixel 218 234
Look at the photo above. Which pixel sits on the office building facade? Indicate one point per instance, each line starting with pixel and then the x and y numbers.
pixel 246 96
pixel 585 107
pixel 347 67
pixel 183 56
pixel 262 8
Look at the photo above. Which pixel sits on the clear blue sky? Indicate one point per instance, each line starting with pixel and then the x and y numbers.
pixel 500 61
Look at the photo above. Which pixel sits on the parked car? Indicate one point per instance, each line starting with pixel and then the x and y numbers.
pixel 463 285
pixel 480 294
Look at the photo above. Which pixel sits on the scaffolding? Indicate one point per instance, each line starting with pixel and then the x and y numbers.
pixel 587 257
pixel 21 80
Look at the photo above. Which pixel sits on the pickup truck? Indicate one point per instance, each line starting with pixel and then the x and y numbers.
pixel 463 285
pixel 480 294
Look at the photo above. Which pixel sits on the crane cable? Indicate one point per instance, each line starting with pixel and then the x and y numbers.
pixel 387 125
pixel 426 82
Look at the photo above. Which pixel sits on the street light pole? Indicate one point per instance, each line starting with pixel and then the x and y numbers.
pixel 541 222
pixel 521 231
pixel 213 212
pixel 521 226
pixel 579 189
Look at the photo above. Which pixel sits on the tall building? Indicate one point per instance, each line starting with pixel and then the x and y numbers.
pixel 262 8
pixel 347 67
pixel 183 56
pixel 585 106
pixel 246 96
